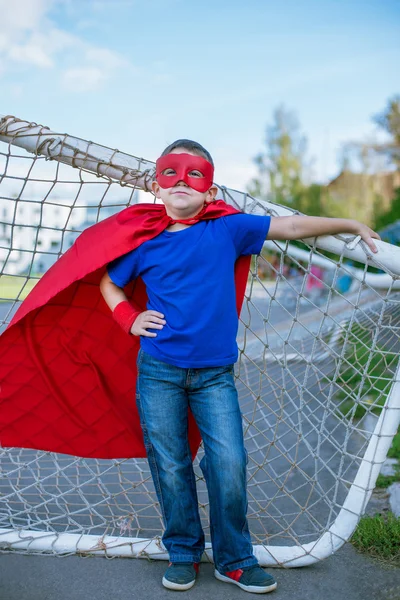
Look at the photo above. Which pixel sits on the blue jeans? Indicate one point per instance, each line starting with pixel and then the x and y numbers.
pixel 164 393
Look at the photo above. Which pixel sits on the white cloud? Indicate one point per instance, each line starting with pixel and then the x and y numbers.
pixel 104 58
pixel 83 79
pixel 18 24
pixel 30 53
pixel 29 37
pixel 98 65
pixel 23 14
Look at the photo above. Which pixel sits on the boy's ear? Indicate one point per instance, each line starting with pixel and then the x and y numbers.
pixel 155 189
pixel 211 194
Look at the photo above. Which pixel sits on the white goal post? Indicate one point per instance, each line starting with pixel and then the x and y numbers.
pixel 318 375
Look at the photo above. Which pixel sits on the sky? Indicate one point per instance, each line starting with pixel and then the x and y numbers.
pixel 136 75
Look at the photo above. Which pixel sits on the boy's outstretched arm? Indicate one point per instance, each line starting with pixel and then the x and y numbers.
pixel 298 227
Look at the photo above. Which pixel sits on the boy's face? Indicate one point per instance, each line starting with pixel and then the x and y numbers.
pixel 181 200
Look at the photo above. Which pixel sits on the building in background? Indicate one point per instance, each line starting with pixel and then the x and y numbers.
pixel 34 234
pixel 360 195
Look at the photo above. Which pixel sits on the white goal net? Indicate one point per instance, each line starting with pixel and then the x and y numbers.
pixel 317 375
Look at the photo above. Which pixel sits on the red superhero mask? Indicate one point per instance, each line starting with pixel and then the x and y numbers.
pixel 183 164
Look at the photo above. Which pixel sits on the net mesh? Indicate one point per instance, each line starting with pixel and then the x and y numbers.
pixel 317 374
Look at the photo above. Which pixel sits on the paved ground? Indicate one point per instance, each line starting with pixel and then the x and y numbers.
pixel 347 574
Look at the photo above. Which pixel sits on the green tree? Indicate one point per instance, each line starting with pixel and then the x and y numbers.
pixel 389 216
pixel 389 119
pixel 281 167
pixel 311 201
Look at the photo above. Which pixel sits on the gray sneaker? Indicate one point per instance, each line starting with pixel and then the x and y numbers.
pixel 251 579
pixel 180 576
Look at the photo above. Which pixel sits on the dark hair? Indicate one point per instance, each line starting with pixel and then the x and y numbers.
pixel 190 145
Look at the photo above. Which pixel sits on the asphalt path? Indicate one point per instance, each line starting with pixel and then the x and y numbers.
pixel 346 574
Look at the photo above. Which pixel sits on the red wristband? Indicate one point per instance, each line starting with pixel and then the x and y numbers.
pixel 125 315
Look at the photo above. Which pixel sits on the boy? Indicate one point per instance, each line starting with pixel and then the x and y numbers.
pixel 187 355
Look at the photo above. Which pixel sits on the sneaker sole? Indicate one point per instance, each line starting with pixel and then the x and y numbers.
pixel 172 585
pixel 255 589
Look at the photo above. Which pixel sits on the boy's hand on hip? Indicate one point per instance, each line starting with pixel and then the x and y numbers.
pixel 367 234
pixel 149 319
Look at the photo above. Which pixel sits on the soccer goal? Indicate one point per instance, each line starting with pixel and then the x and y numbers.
pixel 318 371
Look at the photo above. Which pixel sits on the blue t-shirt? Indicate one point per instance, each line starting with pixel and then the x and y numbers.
pixel 189 278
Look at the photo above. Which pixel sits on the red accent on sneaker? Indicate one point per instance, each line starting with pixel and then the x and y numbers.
pixel 236 575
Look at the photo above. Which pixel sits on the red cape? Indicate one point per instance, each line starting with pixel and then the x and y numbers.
pixel 67 369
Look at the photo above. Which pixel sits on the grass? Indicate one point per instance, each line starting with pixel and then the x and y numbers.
pixel 379 536
pixel 364 381
pixel 15 286
pixel 372 373
pixel 394 451
pixel 377 384
pixel 383 481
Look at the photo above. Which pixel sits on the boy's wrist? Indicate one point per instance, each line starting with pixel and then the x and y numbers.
pixel 125 315
pixel 353 226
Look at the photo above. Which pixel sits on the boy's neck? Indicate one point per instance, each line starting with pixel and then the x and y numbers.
pixel 177 227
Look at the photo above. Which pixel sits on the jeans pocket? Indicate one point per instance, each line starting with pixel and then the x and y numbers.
pixel 231 370
pixel 226 369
